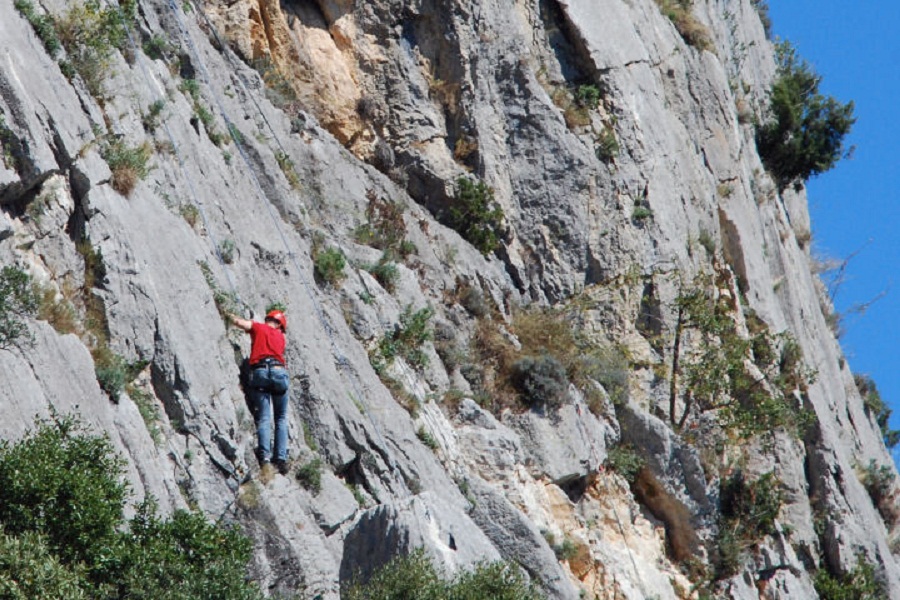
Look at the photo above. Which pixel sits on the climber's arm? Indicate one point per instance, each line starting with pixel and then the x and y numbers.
pixel 245 324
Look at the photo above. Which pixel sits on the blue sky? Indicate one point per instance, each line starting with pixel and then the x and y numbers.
pixel 855 47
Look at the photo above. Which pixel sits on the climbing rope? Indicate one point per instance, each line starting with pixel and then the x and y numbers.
pixel 637 575
pixel 193 192
pixel 340 359
pixel 595 456
pixel 217 250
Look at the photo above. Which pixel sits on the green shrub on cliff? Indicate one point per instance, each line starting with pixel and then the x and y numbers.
pixel 476 215
pixel 414 577
pixel 17 301
pixel 804 135
pixel 859 584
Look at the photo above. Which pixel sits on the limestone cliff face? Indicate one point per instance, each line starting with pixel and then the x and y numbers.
pixel 612 210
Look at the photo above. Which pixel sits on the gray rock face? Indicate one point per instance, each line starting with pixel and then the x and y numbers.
pixel 564 445
pixel 428 522
pixel 519 540
pixel 608 209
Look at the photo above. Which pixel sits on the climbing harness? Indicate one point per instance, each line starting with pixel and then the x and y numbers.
pixel 340 359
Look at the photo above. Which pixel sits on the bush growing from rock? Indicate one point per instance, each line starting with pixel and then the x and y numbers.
pixel 749 511
pixel 17 301
pixel 805 132
pixel 625 461
pixel 587 95
pixel 880 483
pixel 329 266
pixel 60 313
pixel 385 271
pixel 226 302
pixel 384 228
pixel 859 584
pixel 692 31
pixel 541 380
pixel 426 438
pixel 405 340
pixel 91 34
pixel 712 374
pixel 28 569
pixel 877 408
pixel 476 215
pixel 129 164
pixel 43 26
pixel 415 577
pixel 310 475
pixel 547 332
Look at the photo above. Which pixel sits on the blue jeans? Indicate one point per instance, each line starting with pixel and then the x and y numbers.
pixel 268 391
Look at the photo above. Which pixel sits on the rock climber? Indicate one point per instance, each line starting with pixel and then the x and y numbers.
pixel 268 383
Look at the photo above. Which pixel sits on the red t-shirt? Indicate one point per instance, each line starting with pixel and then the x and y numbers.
pixel 266 342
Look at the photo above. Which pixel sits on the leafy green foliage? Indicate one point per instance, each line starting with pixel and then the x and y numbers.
pixel 716 373
pixel 64 484
pixel 226 302
pixel 129 164
pixel 156 47
pixel 43 26
pixel 541 380
pixel 385 271
pixel 286 164
pixel 805 134
pixel 414 577
pixel 567 549
pixel 625 461
pixel 8 140
pixel 111 370
pixel 748 513
pixel 877 408
pixel 28 569
pixel 859 584
pixel 426 438
pixel 587 95
pixel 91 34
pixel 18 300
pixel 309 475
pixel 149 410
pixel 280 306
pixel 607 148
pixel 61 513
pixel 405 340
pixel 476 215
pixel 385 227
pixel 880 483
pixel 202 114
pixel 751 506
pixel 329 266
pixel 150 119
pixel 182 558
pixel 226 251
pixel 236 134
pixel 641 212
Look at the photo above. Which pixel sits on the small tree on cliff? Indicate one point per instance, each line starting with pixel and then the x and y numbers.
pixel 804 134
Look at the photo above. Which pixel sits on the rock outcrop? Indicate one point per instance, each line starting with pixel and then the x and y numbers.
pixel 274 132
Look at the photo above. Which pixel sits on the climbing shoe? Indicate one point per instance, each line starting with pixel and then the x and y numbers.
pixel 282 466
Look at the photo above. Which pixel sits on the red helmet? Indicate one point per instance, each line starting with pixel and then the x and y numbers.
pixel 278 316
